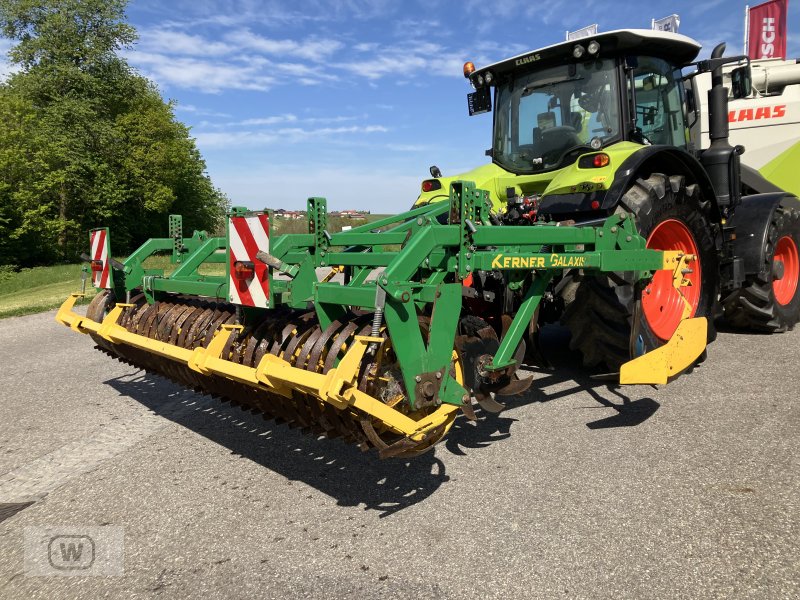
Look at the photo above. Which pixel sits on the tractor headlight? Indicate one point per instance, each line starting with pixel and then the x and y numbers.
pixel 578 51
pixel 479 80
pixel 488 77
pixel 593 47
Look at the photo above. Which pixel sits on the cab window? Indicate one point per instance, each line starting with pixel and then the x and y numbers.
pixel 658 102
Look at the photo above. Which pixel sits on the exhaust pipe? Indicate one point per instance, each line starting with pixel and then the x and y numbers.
pixel 721 160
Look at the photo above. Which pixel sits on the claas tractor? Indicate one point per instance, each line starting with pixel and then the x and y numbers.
pixel 383 334
pixel 627 123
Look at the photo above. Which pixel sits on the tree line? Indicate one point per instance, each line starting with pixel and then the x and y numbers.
pixel 86 141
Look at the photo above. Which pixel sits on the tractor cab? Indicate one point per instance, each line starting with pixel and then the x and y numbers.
pixel 558 103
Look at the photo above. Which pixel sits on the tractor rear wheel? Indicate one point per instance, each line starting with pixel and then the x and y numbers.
pixel 771 303
pixel 612 322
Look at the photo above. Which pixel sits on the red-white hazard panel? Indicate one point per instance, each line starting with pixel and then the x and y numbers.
pixel 248 283
pixel 101 269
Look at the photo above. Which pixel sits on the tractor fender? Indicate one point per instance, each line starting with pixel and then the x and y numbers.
pixel 668 160
pixel 751 220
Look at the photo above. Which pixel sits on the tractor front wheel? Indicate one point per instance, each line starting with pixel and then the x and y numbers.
pixel 610 320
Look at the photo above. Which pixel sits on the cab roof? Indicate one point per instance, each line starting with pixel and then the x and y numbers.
pixel 673 47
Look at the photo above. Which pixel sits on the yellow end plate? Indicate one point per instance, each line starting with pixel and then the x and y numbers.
pixel 678 354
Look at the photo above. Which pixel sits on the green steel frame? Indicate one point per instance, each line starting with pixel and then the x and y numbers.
pixel 425 255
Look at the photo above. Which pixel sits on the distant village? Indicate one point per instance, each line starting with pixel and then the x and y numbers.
pixel 292 215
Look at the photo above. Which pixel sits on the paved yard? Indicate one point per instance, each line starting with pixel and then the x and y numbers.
pixel 576 491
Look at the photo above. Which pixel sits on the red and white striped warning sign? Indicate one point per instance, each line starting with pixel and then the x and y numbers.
pixel 248 283
pixel 98 239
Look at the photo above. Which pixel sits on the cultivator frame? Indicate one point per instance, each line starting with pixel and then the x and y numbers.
pixel 388 313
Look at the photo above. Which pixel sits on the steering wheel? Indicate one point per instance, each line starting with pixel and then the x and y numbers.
pixel 555 140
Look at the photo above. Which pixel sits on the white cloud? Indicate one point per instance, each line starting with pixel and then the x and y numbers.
pixel 700 8
pixel 366 47
pixel 297 131
pixel 287 135
pixel 242 58
pixel 172 41
pixel 206 76
pixel 339 119
pixel 407 60
pixel 239 60
pixel 408 147
pixel 228 139
pixel 313 49
pixel 200 112
pixel 499 8
pixel 288 118
pixel 314 74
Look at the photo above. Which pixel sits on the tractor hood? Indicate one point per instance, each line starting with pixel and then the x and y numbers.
pixel 485 177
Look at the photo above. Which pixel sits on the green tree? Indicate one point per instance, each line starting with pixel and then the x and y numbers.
pixel 87 141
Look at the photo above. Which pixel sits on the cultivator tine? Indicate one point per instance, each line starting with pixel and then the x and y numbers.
pixel 489 404
pixel 469 410
pixel 507 383
pixel 515 387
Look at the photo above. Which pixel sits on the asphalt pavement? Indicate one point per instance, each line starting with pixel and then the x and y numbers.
pixel 577 490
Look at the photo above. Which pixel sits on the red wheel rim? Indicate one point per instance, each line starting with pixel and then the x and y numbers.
pixel 785 287
pixel 661 302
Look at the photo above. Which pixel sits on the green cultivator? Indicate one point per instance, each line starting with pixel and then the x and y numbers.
pixel 380 335
pixel 603 208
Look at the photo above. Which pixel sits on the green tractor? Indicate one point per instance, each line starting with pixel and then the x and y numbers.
pixel 611 125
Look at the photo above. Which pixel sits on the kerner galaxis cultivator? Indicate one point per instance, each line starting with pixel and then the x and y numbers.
pixel 374 335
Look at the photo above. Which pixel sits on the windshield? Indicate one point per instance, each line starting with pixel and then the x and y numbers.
pixel 545 118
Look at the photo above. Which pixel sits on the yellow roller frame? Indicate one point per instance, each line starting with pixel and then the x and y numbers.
pixel 338 387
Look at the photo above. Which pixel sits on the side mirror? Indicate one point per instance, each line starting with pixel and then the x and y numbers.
pixel 691 105
pixel 741 82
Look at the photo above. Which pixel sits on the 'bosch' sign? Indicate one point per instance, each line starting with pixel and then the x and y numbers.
pixel 767 37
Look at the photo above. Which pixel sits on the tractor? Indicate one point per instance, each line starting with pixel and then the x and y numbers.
pixel 613 124
pixel 597 209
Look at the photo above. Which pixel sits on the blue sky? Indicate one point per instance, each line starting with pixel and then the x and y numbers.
pixel 354 99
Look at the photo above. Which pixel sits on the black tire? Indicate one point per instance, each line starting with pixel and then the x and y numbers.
pixel 754 306
pixel 601 316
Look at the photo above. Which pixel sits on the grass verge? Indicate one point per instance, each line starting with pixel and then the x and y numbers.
pixel 41 288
